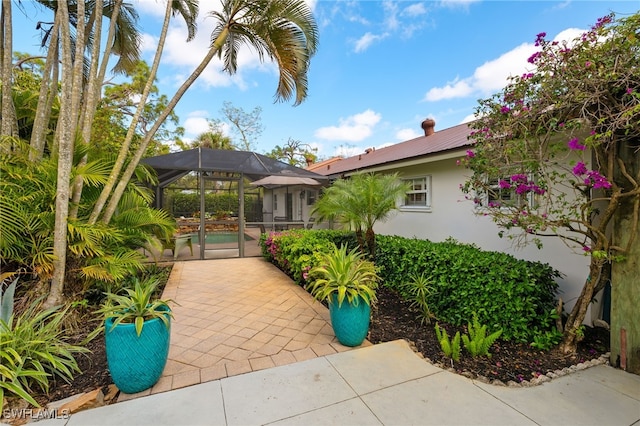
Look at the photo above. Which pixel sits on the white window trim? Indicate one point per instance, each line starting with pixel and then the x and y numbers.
pixel 426 208
pixel 484 197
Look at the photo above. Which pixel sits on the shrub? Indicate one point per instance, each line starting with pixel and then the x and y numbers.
pixel 32 350
pixel 506 293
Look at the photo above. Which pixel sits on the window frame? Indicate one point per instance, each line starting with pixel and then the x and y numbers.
pixel 428 201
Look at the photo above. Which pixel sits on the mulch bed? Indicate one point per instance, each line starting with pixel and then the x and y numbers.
pixel 392 319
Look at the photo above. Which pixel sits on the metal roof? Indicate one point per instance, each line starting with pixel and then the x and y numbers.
pixel 171 167
pixel 441 141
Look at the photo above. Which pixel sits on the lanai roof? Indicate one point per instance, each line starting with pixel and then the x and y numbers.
pixel 438 142
pixel 171 167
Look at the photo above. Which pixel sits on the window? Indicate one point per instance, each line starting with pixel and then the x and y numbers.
pixel 419 193
pixel 275 202
pixel 311 197
pixel 513 191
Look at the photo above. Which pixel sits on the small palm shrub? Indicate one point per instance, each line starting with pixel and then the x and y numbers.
pixel 418 290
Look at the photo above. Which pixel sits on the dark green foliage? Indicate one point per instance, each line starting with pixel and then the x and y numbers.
pixel 477 343
pixel 506 293
pixel 186 204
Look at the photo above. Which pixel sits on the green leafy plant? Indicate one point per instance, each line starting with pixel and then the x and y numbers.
pixel 547 340
pixel 32 348
pixel 477 343
pixel 450 347
pixel 419 288
pixel 137 305
pixel 345 274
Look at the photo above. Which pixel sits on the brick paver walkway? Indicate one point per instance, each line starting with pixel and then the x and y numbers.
pixel 236 316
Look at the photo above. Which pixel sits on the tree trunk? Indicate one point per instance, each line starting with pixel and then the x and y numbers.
pixel 65 157
pixel 625 284
pixel 124 180
pixel 48 91
pixel 126 144
pixel 572 334
pixel 8 112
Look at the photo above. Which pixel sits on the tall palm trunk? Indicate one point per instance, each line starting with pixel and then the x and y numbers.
pixel 91 97
pixel 124 180
pixel 65 135
pixel 48 92
pixel 126 144
pixel 8 126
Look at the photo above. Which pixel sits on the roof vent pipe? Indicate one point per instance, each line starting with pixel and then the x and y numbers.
pixel 428 126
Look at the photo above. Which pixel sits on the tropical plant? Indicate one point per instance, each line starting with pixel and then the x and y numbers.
pixel 477 343
pixel 450 347
pixel 359 202
pixel 344 274
pixel 281 30
pixel 137 305
pixel 563 140
pixel 418 290
pixel 33 348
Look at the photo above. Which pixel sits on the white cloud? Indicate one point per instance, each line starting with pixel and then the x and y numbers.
pixel 454 89
pixel 353 129
pixel 364 42
pixel 407 134
pixel 195 125
pixel 415 9
pixel 493 75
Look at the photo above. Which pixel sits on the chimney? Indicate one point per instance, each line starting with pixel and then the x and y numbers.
pixel 428 126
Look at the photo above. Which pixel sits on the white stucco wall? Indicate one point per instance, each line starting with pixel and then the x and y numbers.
pixel 451 215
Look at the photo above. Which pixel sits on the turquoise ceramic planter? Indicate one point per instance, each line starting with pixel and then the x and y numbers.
pixel 136 363
pixel 350 322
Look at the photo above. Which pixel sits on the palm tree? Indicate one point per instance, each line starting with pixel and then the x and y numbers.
pixel 212 139
pixel 284 31
pixel 359 202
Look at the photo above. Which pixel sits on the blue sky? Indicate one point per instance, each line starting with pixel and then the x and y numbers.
pixel 381 68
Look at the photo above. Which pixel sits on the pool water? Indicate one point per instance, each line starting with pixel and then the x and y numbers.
pixel 221 238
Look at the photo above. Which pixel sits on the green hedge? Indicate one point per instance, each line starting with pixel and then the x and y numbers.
pixel 512 294
pixel 505 292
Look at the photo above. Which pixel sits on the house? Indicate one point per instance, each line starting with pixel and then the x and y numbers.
pixel 436 209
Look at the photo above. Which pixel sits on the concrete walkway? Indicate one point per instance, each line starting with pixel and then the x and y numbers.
pixel 234 316
pixel 384 384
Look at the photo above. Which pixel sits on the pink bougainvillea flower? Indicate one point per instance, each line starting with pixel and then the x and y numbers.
pixel 575 145
pixel 579 169
pixel 470 153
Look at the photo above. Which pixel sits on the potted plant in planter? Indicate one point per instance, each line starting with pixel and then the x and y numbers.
pixel 137 330
pixel 347 282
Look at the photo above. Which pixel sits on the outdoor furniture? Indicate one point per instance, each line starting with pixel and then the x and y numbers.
pixel 177 242
pixel 278 227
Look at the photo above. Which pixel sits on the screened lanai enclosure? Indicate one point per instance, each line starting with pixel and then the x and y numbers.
pixel 223 200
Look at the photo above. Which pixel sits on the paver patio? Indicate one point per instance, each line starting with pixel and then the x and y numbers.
pixel 235 316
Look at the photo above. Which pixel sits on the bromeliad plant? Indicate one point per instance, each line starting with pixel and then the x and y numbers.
pixel 344 274
pixel 137 305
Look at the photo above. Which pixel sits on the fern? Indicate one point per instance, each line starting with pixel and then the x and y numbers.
pixel 477 343
pixel 451 348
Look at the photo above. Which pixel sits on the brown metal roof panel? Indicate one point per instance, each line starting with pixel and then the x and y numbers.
pixel 444 140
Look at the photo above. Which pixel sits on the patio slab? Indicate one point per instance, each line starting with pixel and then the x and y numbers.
pixel 234 316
